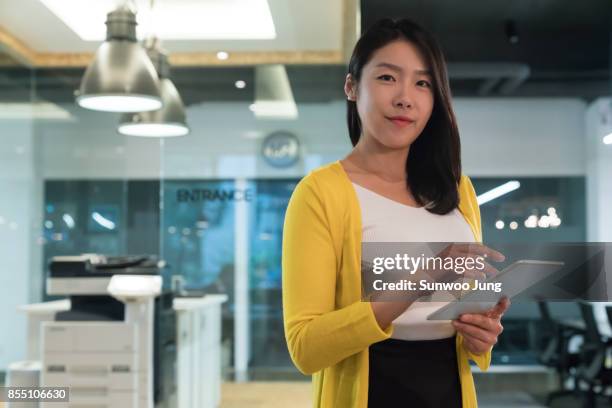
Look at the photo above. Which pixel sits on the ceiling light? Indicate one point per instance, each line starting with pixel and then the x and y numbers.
pixel 35 110
pixel 101 220
pixel 499 224
pixel 240 84
pixel 170 120
pixel 222 55
pixel 183 20
pixel 121 78
pixel 513 225
pixel 498 191
pixel 607 139
pixel 68 220
pixel 544 221
pixel 555 222
pixel 273 95
pixel 531 221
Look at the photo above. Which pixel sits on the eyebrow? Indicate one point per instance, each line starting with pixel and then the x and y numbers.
pixel 400 69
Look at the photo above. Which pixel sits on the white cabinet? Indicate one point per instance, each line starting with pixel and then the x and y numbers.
pixel 199 351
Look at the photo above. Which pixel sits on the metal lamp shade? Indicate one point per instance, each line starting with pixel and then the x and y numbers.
pixel 120 79
pixel 168 121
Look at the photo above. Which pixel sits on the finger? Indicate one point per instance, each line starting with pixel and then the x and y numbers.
pixel 479 250
pixel 475 332
pixel 494 255
pixel 480 255
pixel 474 250
pixel 475 345
pixel 481 321
pixel 487 252
pixel 489 269
pixel 486 271
pixel 500 308
pixel 459 249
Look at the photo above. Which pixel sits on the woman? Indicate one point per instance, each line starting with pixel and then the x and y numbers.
pixel 401 182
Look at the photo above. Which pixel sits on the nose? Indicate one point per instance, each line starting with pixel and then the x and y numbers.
pixel 403 100
pixel 403 103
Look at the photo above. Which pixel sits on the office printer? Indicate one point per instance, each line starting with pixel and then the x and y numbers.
pixel 115 346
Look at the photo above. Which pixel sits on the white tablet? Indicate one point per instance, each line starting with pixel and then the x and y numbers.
pixel 514 279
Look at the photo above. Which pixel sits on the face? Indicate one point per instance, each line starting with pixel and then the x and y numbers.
pixel 394 95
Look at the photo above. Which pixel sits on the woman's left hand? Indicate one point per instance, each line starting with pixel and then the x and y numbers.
pixel 480 331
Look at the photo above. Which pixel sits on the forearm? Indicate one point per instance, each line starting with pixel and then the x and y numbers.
pixel 387 312
pixel 316 342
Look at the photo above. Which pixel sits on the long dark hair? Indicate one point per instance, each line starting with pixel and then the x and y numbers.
pixel 434 162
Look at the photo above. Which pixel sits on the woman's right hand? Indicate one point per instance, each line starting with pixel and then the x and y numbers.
pixel 471 261
pixel 479 256
pixel 388 306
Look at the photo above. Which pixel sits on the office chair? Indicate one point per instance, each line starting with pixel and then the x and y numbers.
pixel 555 353
pixel 592 369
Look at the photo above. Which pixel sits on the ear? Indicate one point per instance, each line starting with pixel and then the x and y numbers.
pixel 350 88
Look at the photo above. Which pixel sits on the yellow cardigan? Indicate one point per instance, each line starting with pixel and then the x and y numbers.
pixel 327 327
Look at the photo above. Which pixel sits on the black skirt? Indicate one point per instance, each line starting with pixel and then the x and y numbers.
pixel 419 374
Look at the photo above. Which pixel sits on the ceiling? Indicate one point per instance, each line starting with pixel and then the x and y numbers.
pixel 293 21
pixel 54 44
pixel 563 46
pixel 564 50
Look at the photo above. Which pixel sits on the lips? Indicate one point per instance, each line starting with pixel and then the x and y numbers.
pixel 401 121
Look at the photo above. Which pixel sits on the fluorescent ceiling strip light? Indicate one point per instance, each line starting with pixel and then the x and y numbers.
pixel 498 192
pixel 68 220
pixel 173 20
pixel 105 222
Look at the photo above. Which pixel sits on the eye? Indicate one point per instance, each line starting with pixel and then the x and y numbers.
pixel 424 83
pixel 386 77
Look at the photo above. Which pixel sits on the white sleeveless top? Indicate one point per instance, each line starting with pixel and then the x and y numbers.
pixel 386 220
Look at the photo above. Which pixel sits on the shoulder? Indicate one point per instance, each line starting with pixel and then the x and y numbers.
pixel 324 181
pixel 466 186
pixel 467 194
pixel 331 173
pixel 325 189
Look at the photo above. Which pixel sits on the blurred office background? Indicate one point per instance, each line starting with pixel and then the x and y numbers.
pixel 532 89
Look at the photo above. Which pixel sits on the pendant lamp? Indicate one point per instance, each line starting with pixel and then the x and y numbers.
pixel 168 121
pixel 121 77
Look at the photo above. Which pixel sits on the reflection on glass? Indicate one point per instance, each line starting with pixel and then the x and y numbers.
pixel 198 233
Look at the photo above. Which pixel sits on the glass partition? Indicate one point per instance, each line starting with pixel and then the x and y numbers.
pixel 20 197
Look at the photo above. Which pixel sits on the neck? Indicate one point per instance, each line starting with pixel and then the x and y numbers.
pixel 372 157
